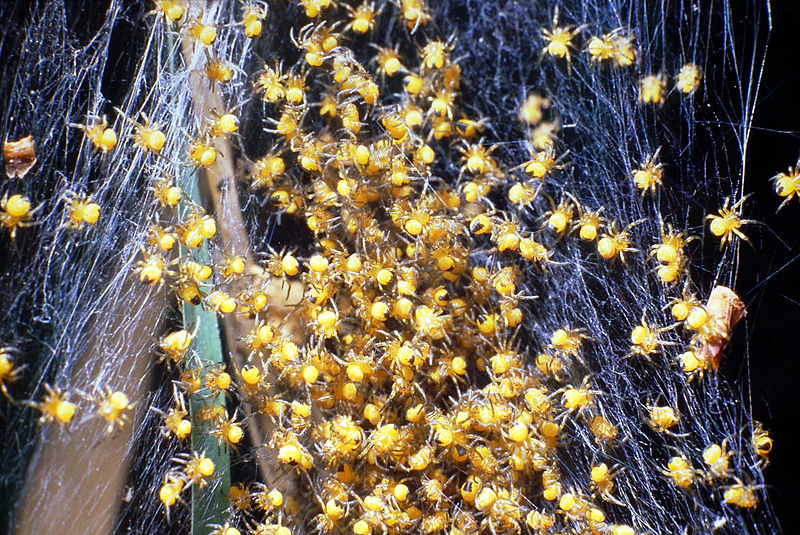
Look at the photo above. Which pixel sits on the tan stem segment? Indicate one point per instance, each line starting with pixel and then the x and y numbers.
pixel 76 481
pixel 218 185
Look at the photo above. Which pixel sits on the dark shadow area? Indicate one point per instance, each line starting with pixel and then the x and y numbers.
pixel 769 274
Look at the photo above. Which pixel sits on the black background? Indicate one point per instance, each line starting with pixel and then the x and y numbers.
pixel 772 291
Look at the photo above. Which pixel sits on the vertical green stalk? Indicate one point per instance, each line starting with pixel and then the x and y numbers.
pixel 210 503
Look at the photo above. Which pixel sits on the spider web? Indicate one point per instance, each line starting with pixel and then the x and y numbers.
pixel 80 320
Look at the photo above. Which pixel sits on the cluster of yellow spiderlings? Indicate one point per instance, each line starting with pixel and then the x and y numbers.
pixel 111 406
pixel 406 403
pixel 16 210
pixel 378 403
pixel 618 48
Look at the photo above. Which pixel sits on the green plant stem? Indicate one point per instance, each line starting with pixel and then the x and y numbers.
pixel 210 503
